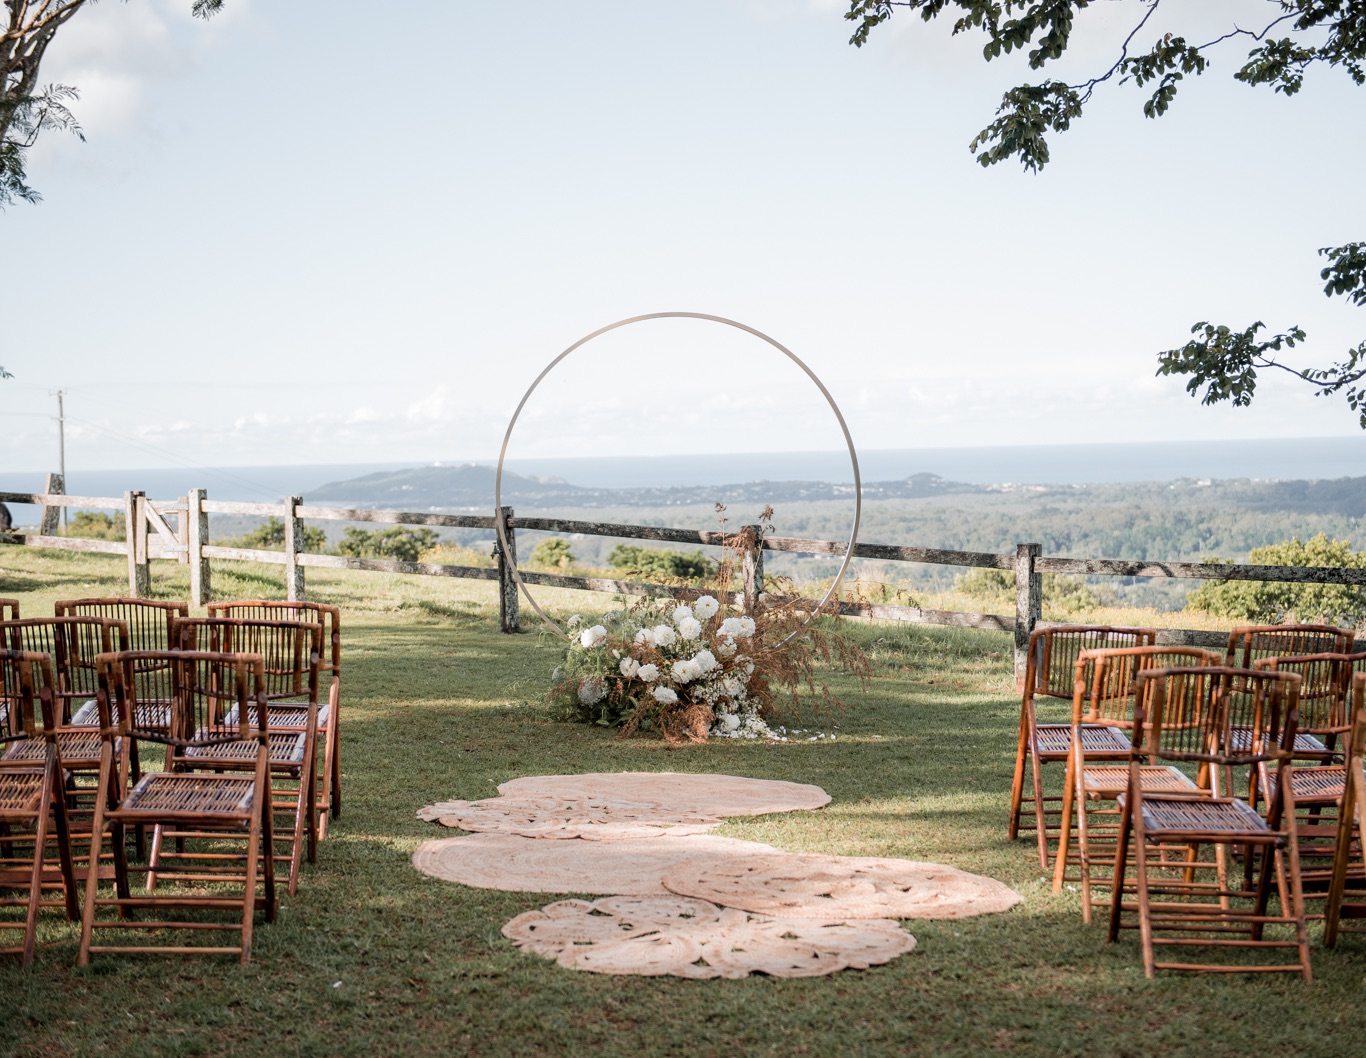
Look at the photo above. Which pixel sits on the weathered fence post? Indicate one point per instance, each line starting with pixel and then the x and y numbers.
pixel 197 535
pixel 508 617
pixel 56 486
pixel 752 566
pixel 135 538
pixel 1028 604
pixel 294 539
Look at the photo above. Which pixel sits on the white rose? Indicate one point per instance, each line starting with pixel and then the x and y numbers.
pixel 705 660
pixel 682 613
pixel 645 638
pixel 664 636
pixel 746 626
pixel 629 667
pixel 690 628
pixel 685 671
pixel 664 696
pixel 591 637
pixel 705 607
pixel 730 627
pixel 648 673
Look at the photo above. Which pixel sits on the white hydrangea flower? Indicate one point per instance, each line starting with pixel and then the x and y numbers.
pixel 690 628
pixel 706 660
pixel 591 637
pixel 645 637
pixel 648 673
pixel 682 613
pixel 629 667
pixel 664 636
pixel 592 690
pixel 705 607
pixel 725 646
pixel 664 696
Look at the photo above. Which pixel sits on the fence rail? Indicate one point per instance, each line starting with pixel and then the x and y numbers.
pixel 150 535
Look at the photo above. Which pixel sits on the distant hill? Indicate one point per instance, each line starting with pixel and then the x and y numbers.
pixel 470 487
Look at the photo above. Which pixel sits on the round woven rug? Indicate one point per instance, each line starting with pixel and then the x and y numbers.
pixel 626 866
pixel 683 937
pixel 793 885
pixel 548 816
pixel 686 794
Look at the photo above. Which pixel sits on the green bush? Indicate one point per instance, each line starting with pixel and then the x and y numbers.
pixel 659 562
pixel 93 525
pixel 1267 601
pixel 552 554
pixel 401 542
pixel 271 537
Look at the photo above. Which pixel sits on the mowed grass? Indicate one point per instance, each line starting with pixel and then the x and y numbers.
pixel 372 958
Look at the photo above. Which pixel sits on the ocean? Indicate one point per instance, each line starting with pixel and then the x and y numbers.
pixel 1310 457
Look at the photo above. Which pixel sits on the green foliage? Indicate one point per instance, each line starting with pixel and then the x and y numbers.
pixel 94 525
pixel 659 562
pixel 1222 362
pixel 553 553
pixel 403 543
pixel 271 537
pixel 1273 601
pixel 1062 595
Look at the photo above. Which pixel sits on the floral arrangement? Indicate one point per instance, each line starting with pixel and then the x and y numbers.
pixel 685 668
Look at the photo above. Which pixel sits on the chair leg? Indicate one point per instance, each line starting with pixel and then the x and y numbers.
pixel 1017 783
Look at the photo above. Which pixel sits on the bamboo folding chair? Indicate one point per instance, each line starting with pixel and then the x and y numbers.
pixel 149 630
pixel 1349 859
pixel 32 811
pixel 1186 715
pixel 1103 697
pixel 1050 673
pixel 1250 643
pixel 291 656
pixel 214 806
pixel 284 715
pixel 9 609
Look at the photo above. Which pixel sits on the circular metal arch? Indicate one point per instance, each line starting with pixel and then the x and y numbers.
pixel 507 436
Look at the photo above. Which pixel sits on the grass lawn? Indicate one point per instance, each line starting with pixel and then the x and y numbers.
pixel 372 958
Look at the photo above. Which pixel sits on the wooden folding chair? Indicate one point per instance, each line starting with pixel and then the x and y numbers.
pixel 329 673
pixel 9 609
pixel 1186 715
pixel 224 871
pixel 1098 773
pixel 290 651
pixel 1050 673
pixel 32 811
pixel 1250 643
pixel 1349 859
pixel 149 629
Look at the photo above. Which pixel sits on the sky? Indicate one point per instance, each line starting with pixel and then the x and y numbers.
pixel 349 232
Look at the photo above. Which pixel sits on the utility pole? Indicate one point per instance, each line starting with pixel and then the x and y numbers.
pixel 61 447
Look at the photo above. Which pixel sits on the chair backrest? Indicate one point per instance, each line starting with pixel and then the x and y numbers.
pixel 148 620
pixel 9 609
pixel 290 649
pixel 73 644
pixel 25 679
pixel 1104 688
pixel 1051 666
pixel 1249 643
pixel 278 610
pixel 207 687
pixel 1326 682
pixel 1215 714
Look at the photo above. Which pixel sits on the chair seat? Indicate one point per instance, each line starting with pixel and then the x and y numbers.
pixel 1097 740
pixel 151 715
pixel 21 793
pixel 1108 781
pixel 175 792
pixel 80 747
pixel 1242 742
pixel 286 747
pixel 1321 785
pixel 1225 816
pixel 288 715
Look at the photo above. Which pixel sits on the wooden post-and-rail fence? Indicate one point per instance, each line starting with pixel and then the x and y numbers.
pixel 149 534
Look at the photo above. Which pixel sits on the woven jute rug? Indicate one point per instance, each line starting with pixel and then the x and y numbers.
pixel 717 796
pixel 793 885
pixel 547 816
pixel 625 866
pixel 683 937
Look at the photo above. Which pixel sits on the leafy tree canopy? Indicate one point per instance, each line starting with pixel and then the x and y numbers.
pixel 660 562
pixel 553 553
pixel 1220 362
pixel 401 542
pixel 28 107
pixel 1265 601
